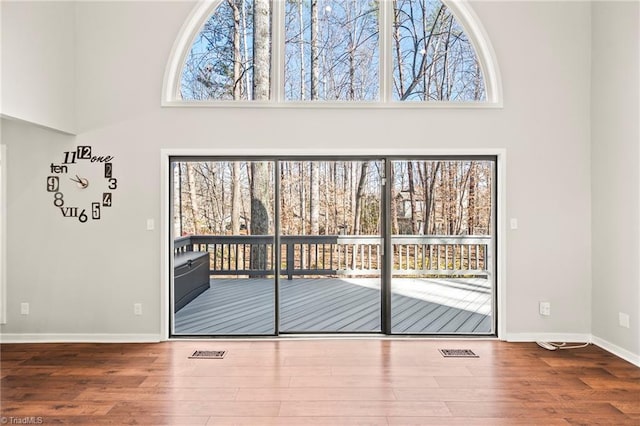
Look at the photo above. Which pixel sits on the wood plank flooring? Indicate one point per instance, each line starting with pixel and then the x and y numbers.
pixel 316 382
pixel 246 306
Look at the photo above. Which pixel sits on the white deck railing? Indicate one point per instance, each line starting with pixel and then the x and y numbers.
pixel 351 255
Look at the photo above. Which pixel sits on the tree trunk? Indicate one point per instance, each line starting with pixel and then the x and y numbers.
pixel 260 170
pixel 334 168
pixel 461 193
pixel 245 48
pixel 445 68
pixel 471 214
pixel 396 39
pixel 193 198
pixel 303 199
pixel 359 195
pixel 237 52
pixel 261 49
pixel 327 201
pixel 412 198
pixel 429 194
pixel 315 51
pixel 352 53
pixel 179 201
pixel 235 198
pixel 451 200
pixel 259 212
pixel 303 77
pixel 314 207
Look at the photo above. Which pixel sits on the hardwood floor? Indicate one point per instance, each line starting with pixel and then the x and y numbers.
pixel 316 382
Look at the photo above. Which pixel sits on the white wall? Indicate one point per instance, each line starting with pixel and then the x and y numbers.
pixel 38 63
pixel 88 276
pixel 615 173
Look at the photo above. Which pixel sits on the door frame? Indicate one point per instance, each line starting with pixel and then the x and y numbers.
pixel 166 244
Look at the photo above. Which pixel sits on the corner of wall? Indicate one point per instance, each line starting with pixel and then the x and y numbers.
pixel 615 179
pixel 37 37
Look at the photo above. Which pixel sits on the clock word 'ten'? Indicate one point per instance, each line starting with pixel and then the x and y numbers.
pixel 57 168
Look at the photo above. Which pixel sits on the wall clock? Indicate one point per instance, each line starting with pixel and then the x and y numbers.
pixel 82 184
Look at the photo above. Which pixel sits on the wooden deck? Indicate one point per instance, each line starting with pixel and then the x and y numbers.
pixel 329 305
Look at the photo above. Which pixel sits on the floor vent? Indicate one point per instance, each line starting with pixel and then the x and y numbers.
pixel 458 353
pixel 208 354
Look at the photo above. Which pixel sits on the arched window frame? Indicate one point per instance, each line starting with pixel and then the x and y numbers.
pixel 461 9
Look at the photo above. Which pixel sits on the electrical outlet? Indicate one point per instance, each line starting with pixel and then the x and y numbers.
pixel 623 319
pixel 24 308
pixel 545 309
pixel 150 225
pixel 137 308
pixel 514 223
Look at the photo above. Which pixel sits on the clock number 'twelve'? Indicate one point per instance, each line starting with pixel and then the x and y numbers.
pixel 84 152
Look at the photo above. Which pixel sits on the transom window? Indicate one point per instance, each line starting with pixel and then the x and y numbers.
pixel 332 50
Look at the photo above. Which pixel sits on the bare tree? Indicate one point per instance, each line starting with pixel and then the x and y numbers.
pixel 315 51
pixel 260 212
pixel 236 203
pixel 433 58
pixel 364 170
pixel 314 207
pixel 332 197
pixel 236 6
pixel 261 49
pixel 193 198
pixel 412 198
pixel 260 185
pixel 429 185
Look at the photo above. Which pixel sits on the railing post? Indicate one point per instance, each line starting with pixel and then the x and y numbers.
pixel 290 260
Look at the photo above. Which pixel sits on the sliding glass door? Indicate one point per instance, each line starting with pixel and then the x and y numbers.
pixel 224 279
pixel 267 246
pixel 331 243
pixel 442 279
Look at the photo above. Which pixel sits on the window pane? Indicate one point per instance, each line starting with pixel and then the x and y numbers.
pixel 226 61
pixel 433 58
pixel 331 50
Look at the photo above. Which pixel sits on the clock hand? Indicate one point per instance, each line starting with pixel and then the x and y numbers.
pixel 83 182
pixel 80 181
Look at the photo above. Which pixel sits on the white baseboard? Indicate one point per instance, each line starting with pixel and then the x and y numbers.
pixel 549 337
pixel 617 350
pixel 78 338
pixel 576 338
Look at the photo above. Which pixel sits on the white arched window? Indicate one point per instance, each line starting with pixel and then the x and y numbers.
pixel 415 52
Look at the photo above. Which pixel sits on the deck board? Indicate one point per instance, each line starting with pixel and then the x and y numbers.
pixel 246 306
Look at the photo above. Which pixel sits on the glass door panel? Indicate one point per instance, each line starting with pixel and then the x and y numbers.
pixel 331 246
pixel 442 279
pixel 224 240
